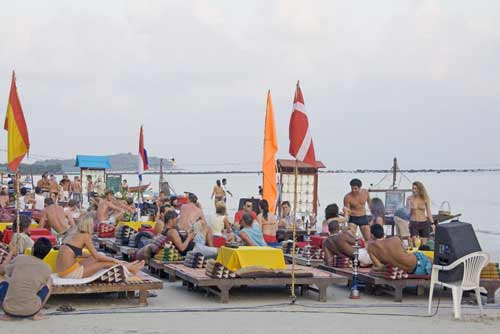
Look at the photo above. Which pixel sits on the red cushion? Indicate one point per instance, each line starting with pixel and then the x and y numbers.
pixel 52 238
pixel 219 242
pixel 7 236
pixel 39 231
pixel 317 241
pixel 105 230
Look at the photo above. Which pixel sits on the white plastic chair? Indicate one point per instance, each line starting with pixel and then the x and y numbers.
pixel 473 264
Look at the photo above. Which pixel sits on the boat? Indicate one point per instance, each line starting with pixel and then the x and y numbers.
pixel 139 189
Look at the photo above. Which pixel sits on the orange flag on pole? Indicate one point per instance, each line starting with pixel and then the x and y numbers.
pixel 18 141
pixel 270 191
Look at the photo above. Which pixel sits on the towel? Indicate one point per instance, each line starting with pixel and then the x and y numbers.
pixel 115 274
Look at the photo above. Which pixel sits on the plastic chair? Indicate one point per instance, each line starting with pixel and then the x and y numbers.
pixel 473 264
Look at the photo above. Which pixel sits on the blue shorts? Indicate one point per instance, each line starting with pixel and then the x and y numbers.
pixel 42 294
pixel 359 220
pixel 424 265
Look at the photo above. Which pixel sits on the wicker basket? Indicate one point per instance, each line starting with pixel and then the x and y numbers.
pixel 445 209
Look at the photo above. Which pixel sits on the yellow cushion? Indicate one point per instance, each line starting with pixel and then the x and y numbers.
pixel 51 258
pixel 242 257
pixel 136 225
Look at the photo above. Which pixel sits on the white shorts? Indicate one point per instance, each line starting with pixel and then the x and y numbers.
pixel 364 258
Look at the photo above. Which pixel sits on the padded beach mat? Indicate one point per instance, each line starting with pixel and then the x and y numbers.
pixel 115 274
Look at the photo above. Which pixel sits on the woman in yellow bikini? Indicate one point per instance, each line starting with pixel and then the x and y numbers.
pixel 67 265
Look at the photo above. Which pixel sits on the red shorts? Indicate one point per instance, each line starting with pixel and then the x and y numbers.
pixel 270 238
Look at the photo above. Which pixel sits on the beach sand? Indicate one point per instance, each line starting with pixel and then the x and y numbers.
pixel 171 312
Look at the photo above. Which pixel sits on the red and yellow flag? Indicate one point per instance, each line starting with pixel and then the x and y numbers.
pixel 270 191
pixel 18 141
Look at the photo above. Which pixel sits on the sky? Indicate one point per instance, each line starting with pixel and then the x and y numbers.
pixel 419 80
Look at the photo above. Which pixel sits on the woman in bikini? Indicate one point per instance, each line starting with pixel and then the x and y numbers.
pixel 67 265
pixel 377 210
pixel 267 222
pixel 420 213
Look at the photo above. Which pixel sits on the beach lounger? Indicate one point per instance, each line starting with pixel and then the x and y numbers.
pixel 221 287
pixel 97 284
pixel 157 268
pixel 395 287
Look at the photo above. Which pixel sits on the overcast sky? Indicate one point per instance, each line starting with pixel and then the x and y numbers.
pixel 415 79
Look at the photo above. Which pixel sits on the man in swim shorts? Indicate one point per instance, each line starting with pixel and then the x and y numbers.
pixel 356 201
pixel 341 243
pixel 391 252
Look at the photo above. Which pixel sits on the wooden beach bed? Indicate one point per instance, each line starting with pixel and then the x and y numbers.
pixel 157 268
pixel 395 287
pixel 142 283
pixel 319 282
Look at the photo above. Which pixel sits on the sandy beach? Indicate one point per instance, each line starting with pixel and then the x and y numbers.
pixel 177 310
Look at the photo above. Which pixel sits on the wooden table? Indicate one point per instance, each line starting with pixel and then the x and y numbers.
pixel 221 287
pixel 157 268
pixel 148 283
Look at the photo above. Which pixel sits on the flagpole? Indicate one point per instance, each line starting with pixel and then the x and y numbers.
pixel 294 228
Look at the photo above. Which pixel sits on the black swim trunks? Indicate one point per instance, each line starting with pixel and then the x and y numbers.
pixel 421 229
pixel 358 220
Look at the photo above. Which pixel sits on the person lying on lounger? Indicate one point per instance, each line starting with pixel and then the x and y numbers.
pixel 341 243
pixel 27 286
pixel 72 248
pixel 193 241
pixel 390 251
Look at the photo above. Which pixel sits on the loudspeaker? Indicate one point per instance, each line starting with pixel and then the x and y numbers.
pixel 454 240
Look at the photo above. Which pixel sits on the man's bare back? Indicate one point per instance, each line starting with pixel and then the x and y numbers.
pixel 391 252
pixel 54 216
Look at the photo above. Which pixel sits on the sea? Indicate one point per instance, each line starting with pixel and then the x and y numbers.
pixel 474 195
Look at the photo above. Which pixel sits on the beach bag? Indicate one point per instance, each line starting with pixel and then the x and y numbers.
pixel 445 209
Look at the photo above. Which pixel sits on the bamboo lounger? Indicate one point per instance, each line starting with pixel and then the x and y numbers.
pixel 158 268
pixel 221 287
pixel 147 283
pixel 397 285
pixel 303 261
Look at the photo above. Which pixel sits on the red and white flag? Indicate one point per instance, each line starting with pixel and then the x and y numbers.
pixel 143 163
pixel 301 144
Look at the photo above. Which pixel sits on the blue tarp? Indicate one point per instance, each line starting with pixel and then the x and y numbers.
pixel 92 161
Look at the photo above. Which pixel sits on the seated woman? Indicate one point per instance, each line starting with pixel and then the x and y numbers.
pixel 332 215
pixel 377 210
pixel 195 242
pixel 219 223
pixel 72 248
pixel 249 234
pixel 267 222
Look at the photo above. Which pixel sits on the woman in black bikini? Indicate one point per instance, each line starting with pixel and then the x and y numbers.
pixel 67 265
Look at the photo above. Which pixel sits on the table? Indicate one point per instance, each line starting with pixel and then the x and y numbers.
pixel 248 256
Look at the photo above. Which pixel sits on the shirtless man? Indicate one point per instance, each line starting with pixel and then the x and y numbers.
pixel 53 216
pixel 341 243
pixel 76 190
pixel 108 210
pixel 218 192
pixel 391 252
pixel 53 188
pixel 44 184
pixel 356 202
pixel 90 187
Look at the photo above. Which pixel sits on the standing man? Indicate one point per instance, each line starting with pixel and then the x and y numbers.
pixel 76 190
pixel 44 184
pixel 53 188
pixel 356 202
pixel 287 220
pixel 90 187
pixel 226 190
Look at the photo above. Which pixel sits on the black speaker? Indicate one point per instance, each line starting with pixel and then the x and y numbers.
pixel 454 240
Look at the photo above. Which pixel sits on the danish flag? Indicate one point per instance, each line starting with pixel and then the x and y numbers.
pixel 301 144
